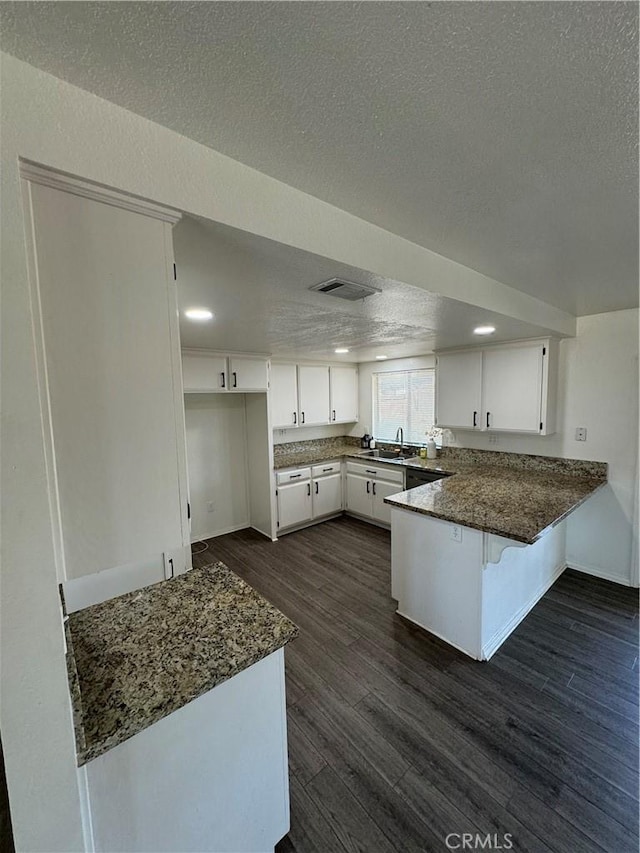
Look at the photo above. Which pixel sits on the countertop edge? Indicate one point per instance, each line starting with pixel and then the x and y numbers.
pixel 487 528
pixel 96 750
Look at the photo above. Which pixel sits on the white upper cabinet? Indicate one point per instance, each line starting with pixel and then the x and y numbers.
pixel 313 391
pixel 313 394
pixel 458 387
pixel 504 388
pixel 203 373
pixel 209 373
pixel 344 394
pixel 248 374
pixel 512 388
pixel 284 395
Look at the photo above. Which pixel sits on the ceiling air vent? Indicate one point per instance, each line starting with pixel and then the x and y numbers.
pixel 345 289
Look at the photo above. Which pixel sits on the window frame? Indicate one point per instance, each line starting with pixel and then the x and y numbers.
pixel 374 407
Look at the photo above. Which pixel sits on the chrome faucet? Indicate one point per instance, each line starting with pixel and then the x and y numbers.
pixel 400 434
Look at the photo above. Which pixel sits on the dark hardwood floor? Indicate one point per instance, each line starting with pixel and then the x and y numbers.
pixel 397 740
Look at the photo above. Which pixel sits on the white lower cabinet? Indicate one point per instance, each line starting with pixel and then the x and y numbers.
pixel 367 487
pixel 382 490
pixel 306 494
pixel 327 495
pixel 295 505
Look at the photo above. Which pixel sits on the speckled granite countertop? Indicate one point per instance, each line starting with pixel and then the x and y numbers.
pixel 313 456
pixel 136 658
pixel 515 495
pixel 516 504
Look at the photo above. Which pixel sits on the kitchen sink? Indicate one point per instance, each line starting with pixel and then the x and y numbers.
pixel 382 454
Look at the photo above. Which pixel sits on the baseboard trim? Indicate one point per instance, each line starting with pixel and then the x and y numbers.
pixel 261 532
pixel 438 635
pixel 222 532
pixel 597 572
pixel 369 520
pixel 494 643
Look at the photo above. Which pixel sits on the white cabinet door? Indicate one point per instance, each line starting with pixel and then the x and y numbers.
pixel 294 504
pixel 458 388
pixel 381 490
pixel 359 495
pixel 512 388
pixel 248 374
pixel 327 495
pixel 344 394
pixel 283 394
pixel 109 336
pixel 313 388
pixel 204 374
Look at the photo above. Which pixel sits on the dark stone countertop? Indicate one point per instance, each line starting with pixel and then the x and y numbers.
pixel 134 659
pixel 518 504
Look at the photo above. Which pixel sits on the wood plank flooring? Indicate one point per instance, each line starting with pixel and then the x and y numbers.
pixel 397 740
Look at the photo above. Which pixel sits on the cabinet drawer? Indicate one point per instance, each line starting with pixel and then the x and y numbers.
pixel 325 468
pixel 292 475
pixel 377 472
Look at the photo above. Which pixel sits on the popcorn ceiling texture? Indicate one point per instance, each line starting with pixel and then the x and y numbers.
pixel 502 135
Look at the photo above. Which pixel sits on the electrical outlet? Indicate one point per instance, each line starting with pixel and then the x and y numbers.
pixel 581 433
pixel 456 533
pixel 493 439
pixel 209 506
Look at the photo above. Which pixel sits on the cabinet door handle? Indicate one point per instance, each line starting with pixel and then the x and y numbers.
pixel 295 418
pixel 308 489
pixel 301 417
pixel 368 484
pixel 374 488
pixel 316 488
pixel 223 379
pixel 334 414
pixel 488 413
pixel 235 379
pixel 475 419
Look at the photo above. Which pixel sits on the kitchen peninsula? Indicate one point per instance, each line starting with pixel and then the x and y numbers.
pixel 473 552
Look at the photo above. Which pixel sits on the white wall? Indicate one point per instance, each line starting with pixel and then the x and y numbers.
pixel 216 458
pixel 287 436
pixel 365 378
pixel 597 389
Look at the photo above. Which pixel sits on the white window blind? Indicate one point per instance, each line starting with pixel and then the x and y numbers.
pixel 403 398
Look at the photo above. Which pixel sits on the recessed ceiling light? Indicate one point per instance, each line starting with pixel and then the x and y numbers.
pixel 381 357
pixel 341 350
pixel 200 314
pixel 484 330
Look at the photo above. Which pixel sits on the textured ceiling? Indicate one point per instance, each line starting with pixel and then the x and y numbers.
pixel 502 135
pixel 259 292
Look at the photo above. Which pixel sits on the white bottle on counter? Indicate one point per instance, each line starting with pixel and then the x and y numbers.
pixel 432 450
